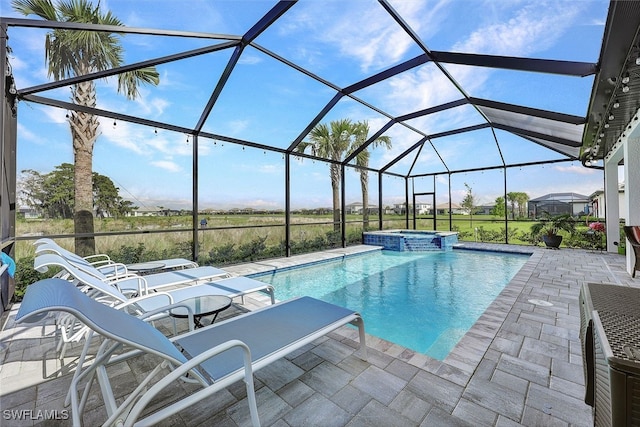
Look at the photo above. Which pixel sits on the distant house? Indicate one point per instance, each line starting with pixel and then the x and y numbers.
pixel 148 211
pixel 28 213
pixel 484 209
pixel 559 204
pixel 598 203
pixel 388 210
pixel 356 208
pixel 421 208
pixel 443 209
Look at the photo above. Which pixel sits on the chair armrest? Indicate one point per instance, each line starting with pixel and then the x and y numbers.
pixel 119 269
pixel 190 367
pixel 98 258
pixel 167 309
pixel 142 283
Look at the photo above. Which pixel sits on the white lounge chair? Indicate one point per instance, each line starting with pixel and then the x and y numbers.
pixel 129 283
pixel 109 292
pixel 104 263
pixel 215 356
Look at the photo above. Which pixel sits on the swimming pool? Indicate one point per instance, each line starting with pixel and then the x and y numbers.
pixel 423 301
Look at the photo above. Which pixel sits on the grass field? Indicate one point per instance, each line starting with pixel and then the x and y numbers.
pixel 230 239
pixel 159 234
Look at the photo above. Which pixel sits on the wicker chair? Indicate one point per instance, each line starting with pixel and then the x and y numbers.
pixel 633 236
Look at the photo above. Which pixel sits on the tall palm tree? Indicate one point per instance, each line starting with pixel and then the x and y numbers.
pixel 331 142
pixel 76 53
pixel 361 131
pixel 512 197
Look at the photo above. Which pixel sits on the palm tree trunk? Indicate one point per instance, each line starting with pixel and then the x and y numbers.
pixel 335 187
pixel 364 184
pixel 84 131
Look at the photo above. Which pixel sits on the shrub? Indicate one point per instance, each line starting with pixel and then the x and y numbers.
pixel 128 254
pixel 26 275
pixel 251 251
pixel 222 255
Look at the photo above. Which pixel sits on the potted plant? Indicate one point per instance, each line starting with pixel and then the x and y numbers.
pixel 549 226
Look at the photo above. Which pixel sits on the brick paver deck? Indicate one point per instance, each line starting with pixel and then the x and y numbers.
pixel 520 364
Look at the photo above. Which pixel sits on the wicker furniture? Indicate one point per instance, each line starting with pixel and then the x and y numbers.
pixel 610 335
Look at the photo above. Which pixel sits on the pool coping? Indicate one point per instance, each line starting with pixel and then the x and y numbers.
pixel 470 350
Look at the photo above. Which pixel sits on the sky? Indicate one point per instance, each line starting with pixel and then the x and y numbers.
pixel 269 103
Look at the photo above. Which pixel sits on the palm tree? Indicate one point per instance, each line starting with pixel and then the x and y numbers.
pixel 77 53
pixel 512 198
pixel 361 131
pixel 331 142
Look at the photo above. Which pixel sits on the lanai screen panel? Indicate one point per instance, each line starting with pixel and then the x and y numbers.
pixel 266 101
pixel 517 149
pixel 448 120
pixel 401 138
pixel 418 88
pixel 537 127
pixel 456 149
pixel 342 42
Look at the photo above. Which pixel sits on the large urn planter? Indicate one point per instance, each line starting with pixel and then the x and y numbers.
pixel 548 226
pixel 552 241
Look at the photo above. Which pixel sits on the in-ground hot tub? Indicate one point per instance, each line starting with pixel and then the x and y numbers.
pixel 411 240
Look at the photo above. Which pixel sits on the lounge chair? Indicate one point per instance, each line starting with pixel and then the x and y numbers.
pixel 231 286
pixel 109 292
pixel 129 283
pixel 633 236
pixel 104 263
pixel 215 356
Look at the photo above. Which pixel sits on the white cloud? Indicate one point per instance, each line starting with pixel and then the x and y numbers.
pixel 25 134
pixel 374 40
pixel 533 28
pixel 270 168
pixel 237 126
pixel 248 59
pixel 167 165
pixel 574 169
pixel 55 115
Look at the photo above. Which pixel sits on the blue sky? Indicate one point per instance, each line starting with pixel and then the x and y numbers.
pixel 269 103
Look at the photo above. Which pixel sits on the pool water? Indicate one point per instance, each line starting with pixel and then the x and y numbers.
pixel 423 301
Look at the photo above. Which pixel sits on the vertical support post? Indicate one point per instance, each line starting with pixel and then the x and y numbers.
pixel 380 209
pixel 433 205
pixel 612 205
pixel 8 136
pixel 343 206
pixel 287 204
pixel 406 203
pixel 450 214
pixel 413 210
pixel 506 215
pixel 194 189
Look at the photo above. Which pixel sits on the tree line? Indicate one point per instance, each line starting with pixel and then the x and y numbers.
pixel 52 194
pixel 518 202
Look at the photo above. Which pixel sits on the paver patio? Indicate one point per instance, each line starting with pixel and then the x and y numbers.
pixel 520 364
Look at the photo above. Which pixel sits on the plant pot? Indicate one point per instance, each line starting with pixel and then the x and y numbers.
pixel 552 241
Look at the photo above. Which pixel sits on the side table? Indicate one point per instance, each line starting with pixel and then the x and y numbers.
pixel 202 306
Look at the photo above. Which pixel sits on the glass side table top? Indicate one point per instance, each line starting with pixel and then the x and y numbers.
pixel 202 306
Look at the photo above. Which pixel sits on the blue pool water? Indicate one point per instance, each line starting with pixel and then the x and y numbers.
pixel 423 301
